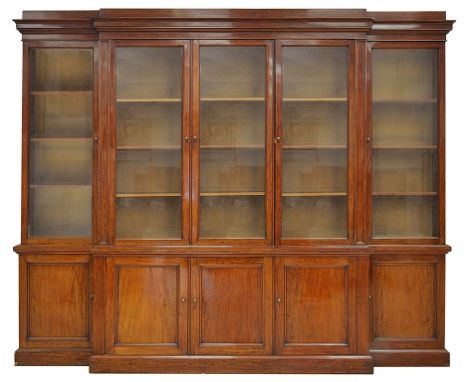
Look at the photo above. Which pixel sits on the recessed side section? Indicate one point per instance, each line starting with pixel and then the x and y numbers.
pixel 405 145
pixel 60 99
pixel 55 301
pixel 407 302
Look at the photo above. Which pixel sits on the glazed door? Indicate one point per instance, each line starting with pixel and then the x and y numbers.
pixel 407 135
pixel 232 137
pixel 314 141
pixel 147 305
pixel 231 306
pixel 58 141
pixel 315 305
pixel 151 116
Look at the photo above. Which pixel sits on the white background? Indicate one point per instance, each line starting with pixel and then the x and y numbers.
pixel 457 187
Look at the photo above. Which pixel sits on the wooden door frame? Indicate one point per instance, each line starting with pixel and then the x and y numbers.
pixel 351 140
pixel 440 46
pixel 185 144
pixel 26 117
pixel 269 79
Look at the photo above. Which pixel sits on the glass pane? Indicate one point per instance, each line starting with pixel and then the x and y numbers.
pixel 232 142
pixel 60 164
pixel 405 150
pixel 315 136
pixel 149 152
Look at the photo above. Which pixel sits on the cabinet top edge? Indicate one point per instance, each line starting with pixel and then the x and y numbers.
pixel 347 250
pixel 112 23
pixel 247 14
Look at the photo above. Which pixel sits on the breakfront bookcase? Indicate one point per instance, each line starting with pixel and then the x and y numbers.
pixel 233 191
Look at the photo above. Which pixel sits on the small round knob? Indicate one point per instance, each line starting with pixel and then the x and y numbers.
pixel 96 138
pixel 195 138
pixel 278 300
pixel 182 299
pixel 186 138
pixel 368 139
pixel 194 300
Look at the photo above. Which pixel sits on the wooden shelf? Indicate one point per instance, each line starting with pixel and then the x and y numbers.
pixel 58 185
pixel 306 147
pixel 403 101
pixel 404 147
pixel 316 99
pixel 409 193
pixel 59 139
pixel 232 99
pixel 316 194
pixel 168 147
pixel 252 193
pixel 59 92
pixel 148 100
pixel 382 237
pixel 232 147
pixel 148 195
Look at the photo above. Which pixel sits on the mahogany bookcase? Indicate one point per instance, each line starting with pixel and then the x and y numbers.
pixel 233 191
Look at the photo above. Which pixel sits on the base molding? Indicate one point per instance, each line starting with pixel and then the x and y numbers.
pixel 410 357
pixel 232 364
pixel 52 357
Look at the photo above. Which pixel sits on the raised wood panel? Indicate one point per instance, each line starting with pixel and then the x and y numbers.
pixel 406 301
pixel 315 300
pixel 56 307
pixel 231 306
pixel 147 310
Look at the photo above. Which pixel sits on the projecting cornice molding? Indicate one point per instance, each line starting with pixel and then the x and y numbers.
pixel 146 23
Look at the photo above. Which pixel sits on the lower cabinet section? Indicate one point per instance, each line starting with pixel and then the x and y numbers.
pixel 296 314
pixel 315 305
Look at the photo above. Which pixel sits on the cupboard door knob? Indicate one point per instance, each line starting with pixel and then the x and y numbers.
pixel 186 139
pixel 368 139
pixel 194 300
pixel 96 138
pixel 278 300
pixel 277 139
pixel 195 138
pixel 182 300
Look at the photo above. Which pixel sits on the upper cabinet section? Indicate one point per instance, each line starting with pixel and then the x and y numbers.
pixel 312 141
pixel 233 127
pixel 60 142
pixel 405 149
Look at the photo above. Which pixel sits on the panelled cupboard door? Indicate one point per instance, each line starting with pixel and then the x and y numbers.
pixel 55 303
pixel 151 116
pixel 232 163
pixel 407 116
pixel 231 301
pixel 408 301
pixel 147 305
pixel 315 305
pixel 314 141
